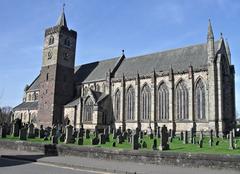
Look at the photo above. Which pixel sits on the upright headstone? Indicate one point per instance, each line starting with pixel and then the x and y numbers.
pixel 16 129
pixel 3 132
pixel 120 139
pixel 192 135
pixel 41 132
pixel 23 134
pixel 124 135
pixel 231 140
pixel 211 138
pixel 87 134
pixel 234 132
pixel 54 139
pixel 80 141
pixel 80 133
pixel 201 139
pixel 36 132
pixel 185 137
pixel 69 132
pixel 181 136
pixel 106 134
pixel 158 131
pixel 164 139
pixel 135 144
pixel 30 131
pixel 102 139
pixel 154 146
pixel 114 134
pixel 95 141
pixel 62 137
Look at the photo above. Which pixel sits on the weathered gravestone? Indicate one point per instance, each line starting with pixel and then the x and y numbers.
pixel 102 139
pixel 192 135
pixel 154 146
pixel 80 140
pixel 141 134
pixel 106 134
pixel 41 132
pixel 120 139
pixel 62 137
pixel 95 141
pixel 114 134
pixel 185 137
pixel 114 144
pixel 36 132
pixel 30 131
pixel 159 132
pixel 3 132
pixel 164 139
pixel 211 138
pixel 23 134
pixel 69 132
pixel 16 128
pixel 135 144
pixel 124 135
pixel 231 140
pixel 75 133
pixel 181 136
pixel 201 139
pixel 144 145
pixel 87 134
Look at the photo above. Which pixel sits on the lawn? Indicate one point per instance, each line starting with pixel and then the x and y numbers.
pixel 175 146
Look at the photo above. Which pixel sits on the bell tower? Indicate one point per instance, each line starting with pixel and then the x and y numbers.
pixel 57 71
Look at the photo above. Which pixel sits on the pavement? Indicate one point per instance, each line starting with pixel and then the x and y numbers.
pixel 11 160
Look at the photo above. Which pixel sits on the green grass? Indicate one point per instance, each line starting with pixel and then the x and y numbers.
pixel 175 146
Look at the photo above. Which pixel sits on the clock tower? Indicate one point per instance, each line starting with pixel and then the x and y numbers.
pixel 57 72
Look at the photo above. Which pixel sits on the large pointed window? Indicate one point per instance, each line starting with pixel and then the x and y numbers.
pixel 162 102
pixel 130 103
pixel 145 103
pixel 181 101
pixel 199 99
pixel 88 109
pixel 117 102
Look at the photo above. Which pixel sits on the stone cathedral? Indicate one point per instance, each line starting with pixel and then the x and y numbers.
pixel 181 88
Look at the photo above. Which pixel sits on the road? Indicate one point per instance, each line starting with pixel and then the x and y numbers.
pixel 12 166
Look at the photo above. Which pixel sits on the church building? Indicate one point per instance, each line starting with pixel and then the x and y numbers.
pixel 181 88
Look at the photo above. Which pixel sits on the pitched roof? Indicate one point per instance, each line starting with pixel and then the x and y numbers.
pixel 94 71
pixel 62 20
pixel 34 85
pixel 179 59
pixel 26 105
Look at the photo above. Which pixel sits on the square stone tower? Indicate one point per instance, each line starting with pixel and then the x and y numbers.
pixel 57 72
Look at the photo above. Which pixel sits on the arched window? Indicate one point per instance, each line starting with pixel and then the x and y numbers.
pixel 130 103
pixel 181 101
pixel 162 102
pixel 145 103
pixel 67 42
pixel 36 96
pixel 51 40
pixel 200 100
pixel 117 103
pixel 29 97
pixel 85 91
pixel 88 109
pixel 33 96
pixel 97 87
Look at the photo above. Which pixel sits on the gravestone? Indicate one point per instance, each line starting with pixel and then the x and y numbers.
pixel 159 132
pixel 120 139
pixel 95 141
pixel 41 132
pixel 141 134
pixel 154 146
pixel 87 134
pixel 185 137
pixel 106 134
pixel 3 132
pixel 53 131
pixel 75 133
pixel 170 132
pixel 129 138
pixel 192 135
pixel 231 140
pixel 164 139
pixel 102 139
pixel 16 128
pixel 125 134
pixel 194 140
pixel 80 140
pixel 235 144
pixel 30 131
pixel 135 144
pixel 23 134
pixel 69 132
pixel 201 140
pixel 54 139
pixel 81 132
pixel 144 145
pixel 114 144
pixel 211 138
pixel 119 131
pixel 62 137
pixel 234 132
pixel 96 131
pixel 181 136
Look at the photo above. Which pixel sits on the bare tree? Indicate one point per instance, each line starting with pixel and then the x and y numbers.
pixel 5 115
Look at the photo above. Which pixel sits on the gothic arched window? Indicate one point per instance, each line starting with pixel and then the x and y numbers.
pixel 181 101
pixel 145 103
pixel 51 40
pixel 200 100
pixel 117 103
pixel 97 87
pixel 163 102
pixel 88 109
pixel 130 103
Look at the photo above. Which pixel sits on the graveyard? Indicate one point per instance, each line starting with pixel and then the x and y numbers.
pixel 160 140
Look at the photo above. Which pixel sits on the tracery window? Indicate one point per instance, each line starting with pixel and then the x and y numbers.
pixel 88 109
pixel 163 102
pixel 117 103
pixel 181 101
pixel 200 100
pixel 130 103
pixel 145 103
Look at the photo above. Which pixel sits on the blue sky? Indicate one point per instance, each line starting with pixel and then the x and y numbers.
pixel 105 28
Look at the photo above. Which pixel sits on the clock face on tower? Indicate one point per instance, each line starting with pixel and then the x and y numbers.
pixel 49 54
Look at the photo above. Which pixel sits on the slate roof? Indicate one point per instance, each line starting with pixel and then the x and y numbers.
pixel 35 84
pixel 27 105
pixel 179 59
pixel 94 71
pixel 73 103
